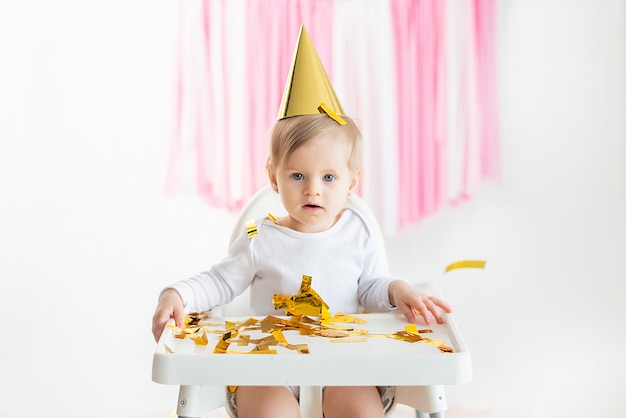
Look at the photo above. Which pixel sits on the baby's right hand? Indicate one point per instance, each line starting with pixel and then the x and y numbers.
pixel 170 306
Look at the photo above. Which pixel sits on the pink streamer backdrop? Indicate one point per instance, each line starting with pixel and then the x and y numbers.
pixel 438 162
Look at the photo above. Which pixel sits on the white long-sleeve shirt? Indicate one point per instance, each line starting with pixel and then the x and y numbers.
pixel 345 264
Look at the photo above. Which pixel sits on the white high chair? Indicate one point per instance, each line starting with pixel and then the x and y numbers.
pixel 199 392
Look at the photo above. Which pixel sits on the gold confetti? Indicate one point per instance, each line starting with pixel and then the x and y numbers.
pixel 342 317
pixel 273 218
pixel 415 311
pixel 306 302
pixel 251 352
pixel 323 108
pixel 251 229
pixel 202 340
pixel 480 264
pixel 302 309
pixel 348 340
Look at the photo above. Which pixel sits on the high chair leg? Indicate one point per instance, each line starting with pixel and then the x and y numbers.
pixel 419 414
pixel 311 401
pixel 427 400
pixel 196 400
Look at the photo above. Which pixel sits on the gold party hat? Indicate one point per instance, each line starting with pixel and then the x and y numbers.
pixel 308 90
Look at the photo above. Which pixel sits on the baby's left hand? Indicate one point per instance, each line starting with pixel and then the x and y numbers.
pixel 409 300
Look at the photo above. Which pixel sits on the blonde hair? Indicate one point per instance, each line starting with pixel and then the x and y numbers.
pixel 291 133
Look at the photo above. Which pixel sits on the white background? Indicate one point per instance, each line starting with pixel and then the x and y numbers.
pixel 87 238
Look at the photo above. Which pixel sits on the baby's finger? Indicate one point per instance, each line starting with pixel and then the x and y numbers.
pixel 434 304
pixel 422 310
pixel 432 307
pixel 442 304
pixel 157 327
pixel 179 317
pixel 406 311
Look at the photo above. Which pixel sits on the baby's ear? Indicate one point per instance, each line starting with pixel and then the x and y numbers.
pixel 355 181
pixel 272 177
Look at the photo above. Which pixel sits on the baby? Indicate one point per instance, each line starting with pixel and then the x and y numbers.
pixel 314 167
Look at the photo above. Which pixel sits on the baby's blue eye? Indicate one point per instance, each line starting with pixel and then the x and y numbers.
pixel 329 177
pixel 297 176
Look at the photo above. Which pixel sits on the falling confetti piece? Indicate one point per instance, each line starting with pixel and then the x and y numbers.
pixel 466 264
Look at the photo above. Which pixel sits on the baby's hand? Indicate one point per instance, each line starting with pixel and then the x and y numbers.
pixel 409 301
pixel 170 306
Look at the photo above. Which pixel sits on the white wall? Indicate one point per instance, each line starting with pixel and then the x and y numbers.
pixel 544 319
pixel 87 238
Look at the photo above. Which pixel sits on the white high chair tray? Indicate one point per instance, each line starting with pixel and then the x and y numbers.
pixel 376 361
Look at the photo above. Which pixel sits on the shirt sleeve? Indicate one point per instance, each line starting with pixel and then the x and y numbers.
pixel 375 278
pixel 223 282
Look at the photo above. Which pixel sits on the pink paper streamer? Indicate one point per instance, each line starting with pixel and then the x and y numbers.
pixel 202 99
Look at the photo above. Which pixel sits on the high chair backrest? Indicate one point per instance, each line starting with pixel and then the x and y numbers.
pixel 267 201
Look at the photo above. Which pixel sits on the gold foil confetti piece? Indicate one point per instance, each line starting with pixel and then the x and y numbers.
pixel 251 229
pixel 325 314
pixel 412 329
pixel 306 302
pixel 191 330
pixel 201 340
pixel 199 315
pixel 232 389
pixel 251 352
pixel 306 331
pixel 180 336
pixel 168 349
pixel 264 345
pixel 300 326
pixel 440 345
pixel 273 218
pixel 230 325
pixel 342 317
pixel 249 322
pixel 174 327
pixel 323 108
pixel 302 348
pixel 274 320
pixel 243 340
pixel 331 325
pixel 211 331
pixel 307 320
pixel 195 317
pixel 405 337
pixel 330 333
pixel 415 311
pixel 288 346
pixel 224 342
pixel 279 336
pixel 267 326
pixel 206 323
pixel 465 264
pixel 348 340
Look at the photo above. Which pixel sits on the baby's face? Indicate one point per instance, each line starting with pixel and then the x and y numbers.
pixel 314 183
